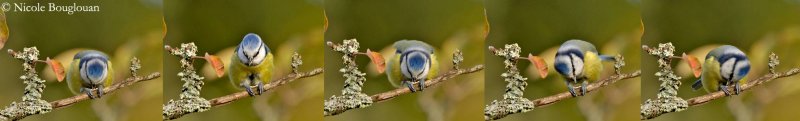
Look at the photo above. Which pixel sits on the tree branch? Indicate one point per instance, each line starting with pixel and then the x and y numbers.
pixel 589 88
pixel 127 82
pixel 219 101
pixel 699 100
pixel 380 97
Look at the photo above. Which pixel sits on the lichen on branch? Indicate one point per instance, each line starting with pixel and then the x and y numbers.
pixel 351 97
pixel 31 103
pixel 189 100
pixel 667 100
pixel 512 101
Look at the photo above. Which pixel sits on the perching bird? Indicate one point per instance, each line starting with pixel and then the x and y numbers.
pixel 413 61
pixel 251 64
pixel 578 62
pixel 724 66
pixel 90 71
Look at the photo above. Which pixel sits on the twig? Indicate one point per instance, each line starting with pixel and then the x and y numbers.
pixel 219 101
pixel 653 109
pixel 190 100
pixel 128 82
pixel 773 62
pixel 589 88
pixel 32 105
pixel 353 98
pixel 380 97
pixel 514 103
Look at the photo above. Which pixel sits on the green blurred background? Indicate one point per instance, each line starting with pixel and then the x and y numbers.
pixel 216 27
pixel 447 25
pixel 540 27
pixel 122 29
pixel 755 27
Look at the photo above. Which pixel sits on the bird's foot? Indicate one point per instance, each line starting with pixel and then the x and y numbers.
pixel 410 86
pixel 421 84
pixel 261 89
pixel 88 92
pixel 583 88
pixel 247 88
pixel 99 91
pixel 725 89
pixel 571 89
pixel 737 89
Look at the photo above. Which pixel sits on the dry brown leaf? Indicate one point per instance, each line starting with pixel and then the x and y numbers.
pixel 694 64
pixel 164 29
pixel 58 69
pixel 3 30
pixel 325 19
pixel 377 59
pixel 541 66
pixel 219 68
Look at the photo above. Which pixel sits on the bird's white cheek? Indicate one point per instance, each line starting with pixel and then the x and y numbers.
pixel 260 57
pixel 565 60
pixel 242 56
pixel 726 69
pixel 577 64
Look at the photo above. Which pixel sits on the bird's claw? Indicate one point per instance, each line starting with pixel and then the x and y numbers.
pixel 260 88
pixel 421 84
pixel 249 91
pixel 99 91
pixel 410 86
pixel 571 90
pixel 583 88
pixel 91 92
pixel 725 89
pixel 737 89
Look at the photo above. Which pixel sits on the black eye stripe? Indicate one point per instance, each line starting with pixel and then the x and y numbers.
pixel 572 63
pixel 733 69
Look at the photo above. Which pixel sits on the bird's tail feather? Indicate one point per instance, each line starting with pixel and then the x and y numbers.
pixel 607 58
pixel 697 85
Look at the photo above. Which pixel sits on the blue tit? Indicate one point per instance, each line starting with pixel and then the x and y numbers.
pixel 94 71
pixel 724 66
pixel 578 61
pixel 251 64
pixel 413 61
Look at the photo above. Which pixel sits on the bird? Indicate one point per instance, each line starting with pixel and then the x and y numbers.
pixel 724 66
pixel 578 62
pixel 413 61
pixel 251 64
pixel 90 71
